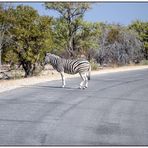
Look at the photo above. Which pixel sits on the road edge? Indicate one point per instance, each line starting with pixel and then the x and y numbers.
pixel 27 82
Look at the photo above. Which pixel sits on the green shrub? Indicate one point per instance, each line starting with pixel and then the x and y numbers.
pixel 144 62
pixel 94 65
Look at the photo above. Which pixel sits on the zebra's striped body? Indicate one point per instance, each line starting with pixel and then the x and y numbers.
pixel 69 66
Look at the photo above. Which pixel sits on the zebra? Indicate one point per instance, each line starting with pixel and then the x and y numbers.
pixel 70 66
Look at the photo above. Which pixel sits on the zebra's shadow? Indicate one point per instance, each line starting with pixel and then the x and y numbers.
pixel 54 87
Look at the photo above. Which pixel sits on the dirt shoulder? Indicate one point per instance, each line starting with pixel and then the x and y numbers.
pixel 6 85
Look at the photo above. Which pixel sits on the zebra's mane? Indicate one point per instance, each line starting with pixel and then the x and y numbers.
pixel 58 57
pixel 50 55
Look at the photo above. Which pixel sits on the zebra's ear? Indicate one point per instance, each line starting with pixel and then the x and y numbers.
pixel 46 53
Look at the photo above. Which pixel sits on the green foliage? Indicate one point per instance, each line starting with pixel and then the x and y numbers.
pixel 71 32
pixel 94 65
pixel 68 10
pixel 5 25
pixel 32 37
pixel 87 37
pixel 142 29
pixel 60 35
pixel 113 35
pixel 68 26
pixel 144 62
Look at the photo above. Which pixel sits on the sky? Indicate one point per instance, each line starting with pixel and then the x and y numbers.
pixel 110 12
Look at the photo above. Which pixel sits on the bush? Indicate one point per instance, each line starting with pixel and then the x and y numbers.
pixel 119 46
pixel 94 65
pixel 144 62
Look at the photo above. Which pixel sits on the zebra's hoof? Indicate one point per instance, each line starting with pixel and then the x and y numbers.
pixel 80 87
pixel 84 87
pixel 63 86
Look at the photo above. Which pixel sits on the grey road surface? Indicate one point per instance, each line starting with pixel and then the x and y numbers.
pixel 112 111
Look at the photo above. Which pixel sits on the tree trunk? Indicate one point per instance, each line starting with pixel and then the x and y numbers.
pixel 28 68
pixel 70 48
pixel 146 54
pixel 0 57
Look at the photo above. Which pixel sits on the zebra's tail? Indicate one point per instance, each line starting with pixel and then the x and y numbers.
pixel 89 72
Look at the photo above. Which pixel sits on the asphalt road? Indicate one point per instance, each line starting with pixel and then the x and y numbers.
pixel 112 111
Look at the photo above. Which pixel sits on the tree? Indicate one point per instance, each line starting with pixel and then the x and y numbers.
pixel 32 37
pixel 119 45
pixel 142 29
pixel 86 40
pixel 71 15
pixel 5 37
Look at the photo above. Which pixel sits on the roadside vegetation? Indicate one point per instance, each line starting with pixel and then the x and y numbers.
pixel 25 37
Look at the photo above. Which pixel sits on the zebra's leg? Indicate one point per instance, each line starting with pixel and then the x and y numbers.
pixel 85 85
pixel 63 79
pixel 83 78
pixel 86 81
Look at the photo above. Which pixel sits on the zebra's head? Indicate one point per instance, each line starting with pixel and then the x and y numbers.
pixel 47 58
pixel 50 58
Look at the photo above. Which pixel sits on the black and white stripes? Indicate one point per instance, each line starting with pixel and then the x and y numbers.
pixel 70 66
